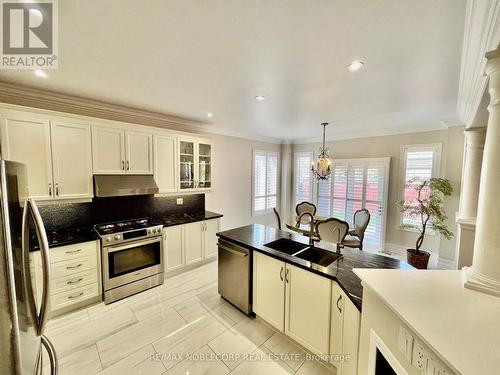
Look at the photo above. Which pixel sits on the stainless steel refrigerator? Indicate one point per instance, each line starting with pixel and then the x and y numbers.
pixel 22 319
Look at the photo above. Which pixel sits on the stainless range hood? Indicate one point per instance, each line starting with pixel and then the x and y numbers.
pixel 117 185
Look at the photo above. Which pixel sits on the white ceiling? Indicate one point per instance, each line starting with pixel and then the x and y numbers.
pixel 190 57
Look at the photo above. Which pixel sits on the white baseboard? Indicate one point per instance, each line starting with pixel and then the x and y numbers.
pixel 446 264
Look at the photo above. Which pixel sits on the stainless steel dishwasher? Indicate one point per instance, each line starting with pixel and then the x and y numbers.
pixel 235 276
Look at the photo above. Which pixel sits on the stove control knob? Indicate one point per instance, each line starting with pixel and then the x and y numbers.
pixel 117 237
pixel 107 239
pixel 158 230
pixel 150 231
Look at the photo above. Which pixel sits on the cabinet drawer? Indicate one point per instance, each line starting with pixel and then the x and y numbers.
pixel 76 295
pixel 74 251
pixel 76 280
pixel 73 266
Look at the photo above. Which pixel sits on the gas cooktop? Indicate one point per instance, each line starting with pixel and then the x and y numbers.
pixel 124 226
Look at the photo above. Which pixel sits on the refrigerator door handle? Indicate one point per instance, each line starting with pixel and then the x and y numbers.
pixel 44 250
pixel 54 365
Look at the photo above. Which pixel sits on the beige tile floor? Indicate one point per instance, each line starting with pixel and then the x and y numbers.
pixel 181 327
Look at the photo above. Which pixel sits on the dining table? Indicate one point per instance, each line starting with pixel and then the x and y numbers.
pixel 304 229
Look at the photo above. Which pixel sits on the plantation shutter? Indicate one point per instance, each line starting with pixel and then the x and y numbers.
pixel 356 184
pixel 303 177
pixel 265 181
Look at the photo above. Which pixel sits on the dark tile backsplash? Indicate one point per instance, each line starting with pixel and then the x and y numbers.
pixel 102 210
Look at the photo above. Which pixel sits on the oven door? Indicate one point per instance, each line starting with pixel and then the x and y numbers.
pixel 132 261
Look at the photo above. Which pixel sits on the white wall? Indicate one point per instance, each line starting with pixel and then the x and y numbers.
pixel 232 176
pixel 451 166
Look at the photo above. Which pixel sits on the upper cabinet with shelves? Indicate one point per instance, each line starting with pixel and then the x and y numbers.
pixel 118 151
pixel 57 154
pixel 195 165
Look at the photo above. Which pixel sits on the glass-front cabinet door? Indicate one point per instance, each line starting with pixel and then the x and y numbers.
pixel 186 165
pixel 204 179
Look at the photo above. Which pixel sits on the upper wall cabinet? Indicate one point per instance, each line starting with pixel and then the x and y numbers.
pixel 72 160
pixel 26 139
pixel 119 152
pixel 57 155
pixel 195 165
pixel 165 162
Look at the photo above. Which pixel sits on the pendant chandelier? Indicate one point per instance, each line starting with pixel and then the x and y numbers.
pixel 321 168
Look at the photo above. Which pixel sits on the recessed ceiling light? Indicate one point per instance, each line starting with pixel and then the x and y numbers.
pixel 355 65
pixel 260 98
pixel 40 73
pixel 210 115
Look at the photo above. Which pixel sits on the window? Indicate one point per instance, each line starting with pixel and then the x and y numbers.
pixel 303 177
pixel 353 185
pixel 419 163
pixel 265 182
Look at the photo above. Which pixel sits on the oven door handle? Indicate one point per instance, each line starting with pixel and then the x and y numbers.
pixel 130 245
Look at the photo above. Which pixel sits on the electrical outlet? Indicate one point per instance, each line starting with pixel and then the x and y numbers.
pixel 420 357
pixel 180 201
pixel 405 343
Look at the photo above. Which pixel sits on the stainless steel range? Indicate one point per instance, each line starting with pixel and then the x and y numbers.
pixel 132 257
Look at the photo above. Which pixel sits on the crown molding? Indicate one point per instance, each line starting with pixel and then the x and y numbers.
pixel 382 132
pixel 481 34
pixel 53 101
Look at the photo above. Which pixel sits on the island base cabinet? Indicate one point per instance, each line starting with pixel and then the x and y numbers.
pixel 269 290
pixel 307 309
pixel 344 335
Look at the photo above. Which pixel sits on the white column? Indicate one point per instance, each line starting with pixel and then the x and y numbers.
pixel 466 219
pixel 484 275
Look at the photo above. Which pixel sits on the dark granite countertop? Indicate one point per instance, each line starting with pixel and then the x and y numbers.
pixel 255 236
pixel 68 236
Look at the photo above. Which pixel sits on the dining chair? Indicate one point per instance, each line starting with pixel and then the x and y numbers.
pixel 305 207
pixel 278 218
pixel 332 230
pixel 360 221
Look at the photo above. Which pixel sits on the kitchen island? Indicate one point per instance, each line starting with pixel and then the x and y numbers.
pixel 311 294
pixel 255 236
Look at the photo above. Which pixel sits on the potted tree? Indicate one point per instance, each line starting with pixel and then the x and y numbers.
pixel 425 211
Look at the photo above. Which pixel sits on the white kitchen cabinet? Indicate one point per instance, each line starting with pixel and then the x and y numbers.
pixel 193 242
pixel 211 227
pixel 26 139
pixel 173 248
pixel 195 165
pixel 116 151
pixel 72 160
pixel 269 290
pixel 344 334
pixel 75 276
pixel 307 309
pixel 108 150
pixel 165 163
pixel 139 151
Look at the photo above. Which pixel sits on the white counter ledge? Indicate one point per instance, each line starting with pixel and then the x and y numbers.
pixel 460 325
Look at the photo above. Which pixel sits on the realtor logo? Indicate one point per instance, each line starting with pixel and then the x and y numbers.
pixel 29 34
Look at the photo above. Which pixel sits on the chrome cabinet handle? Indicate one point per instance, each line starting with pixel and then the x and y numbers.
pixel 73 251
pixel 128 165
pixel 338 300
pixel 281 274
pixel 57 189
pixel 54 365
pixel 74 267
pixel 50 189
pixel 74 281
pixel 76 295
pixel 286 275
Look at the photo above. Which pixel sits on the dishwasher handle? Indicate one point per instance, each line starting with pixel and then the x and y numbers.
pixel 234 251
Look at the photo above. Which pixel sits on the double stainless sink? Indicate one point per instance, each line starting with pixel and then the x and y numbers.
pixel 304 251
